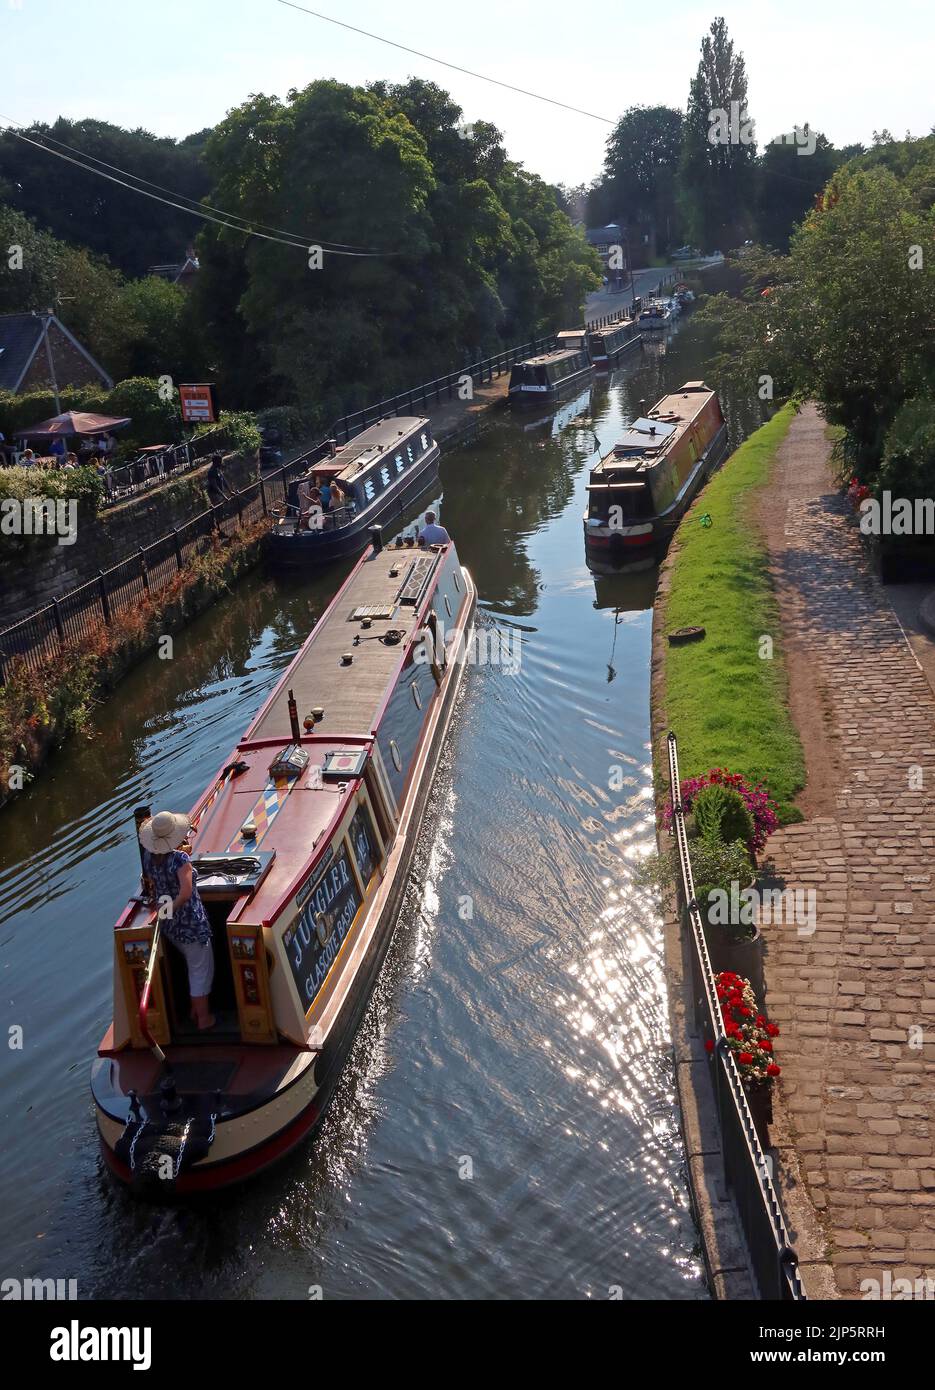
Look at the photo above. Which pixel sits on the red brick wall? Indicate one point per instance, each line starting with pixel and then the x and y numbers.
pixel 71 369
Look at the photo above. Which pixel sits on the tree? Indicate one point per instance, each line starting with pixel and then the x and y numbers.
pixel 640 164
pixel 716 167
pixel 88 210
pixel 847 315
pixel 788 183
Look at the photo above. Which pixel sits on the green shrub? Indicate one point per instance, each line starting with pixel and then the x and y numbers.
pixel 722 814
pixel 908 466
pixel 154 420
pixel 294 425
pixel 235 433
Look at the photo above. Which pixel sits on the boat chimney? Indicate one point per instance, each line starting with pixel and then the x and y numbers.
pixel 294 718
pixel 376 538
pixel 333 446
pixel 641 406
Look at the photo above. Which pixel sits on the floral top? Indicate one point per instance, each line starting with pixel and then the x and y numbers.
pixel 190 924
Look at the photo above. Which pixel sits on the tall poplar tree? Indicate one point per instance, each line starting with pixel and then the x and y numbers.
pixel 716 169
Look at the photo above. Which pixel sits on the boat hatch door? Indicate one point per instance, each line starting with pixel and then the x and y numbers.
pixel 250 969
pixel 226 875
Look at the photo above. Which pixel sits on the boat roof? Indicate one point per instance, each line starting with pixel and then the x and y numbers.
pixel 650 435
pixel 391 584
pixel 375 441
pixel 395 584
pixel 545 357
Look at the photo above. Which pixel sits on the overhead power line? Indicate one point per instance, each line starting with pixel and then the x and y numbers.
pixel 244 229
pixel 198 205
pixel 481 77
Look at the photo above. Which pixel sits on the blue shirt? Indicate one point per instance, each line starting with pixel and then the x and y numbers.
pixel 433 535
pixel 325 496
pixel 190 924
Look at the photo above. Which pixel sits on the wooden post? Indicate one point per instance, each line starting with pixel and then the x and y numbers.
pixel 178 549
pixel 59 627
pixel 144 573
pixel 263 497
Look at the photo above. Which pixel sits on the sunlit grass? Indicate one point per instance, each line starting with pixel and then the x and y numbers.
pixel 727 704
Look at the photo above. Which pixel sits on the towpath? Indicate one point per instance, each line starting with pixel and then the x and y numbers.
pixel 855 996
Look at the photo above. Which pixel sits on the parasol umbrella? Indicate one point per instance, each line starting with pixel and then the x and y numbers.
pixel 73 422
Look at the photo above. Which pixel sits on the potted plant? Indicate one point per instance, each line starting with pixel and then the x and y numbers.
pixel 750 1037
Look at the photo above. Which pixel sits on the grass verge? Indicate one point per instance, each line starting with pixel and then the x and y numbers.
pixel 726 699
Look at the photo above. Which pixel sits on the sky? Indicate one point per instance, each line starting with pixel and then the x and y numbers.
pixel 175 66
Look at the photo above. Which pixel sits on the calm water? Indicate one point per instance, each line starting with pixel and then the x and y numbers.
pixel 506 1125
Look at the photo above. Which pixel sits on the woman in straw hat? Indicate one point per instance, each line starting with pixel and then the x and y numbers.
pixel 170 871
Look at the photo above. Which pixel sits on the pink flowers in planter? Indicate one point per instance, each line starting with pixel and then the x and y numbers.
pixel 759 803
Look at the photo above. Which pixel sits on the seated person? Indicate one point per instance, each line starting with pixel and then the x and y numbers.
pixel 432 533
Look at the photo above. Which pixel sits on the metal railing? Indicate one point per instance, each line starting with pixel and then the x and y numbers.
pixel 630 310
pixel 79 614
pixel 443 387
pixel 747 1169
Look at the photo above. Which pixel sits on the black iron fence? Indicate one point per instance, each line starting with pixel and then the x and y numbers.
pixel 630 310
pixel 154 466
pixel 442 388
pixel 79 614
pixel 747 1168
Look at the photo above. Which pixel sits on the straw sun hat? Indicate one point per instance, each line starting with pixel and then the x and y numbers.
pixel 164 832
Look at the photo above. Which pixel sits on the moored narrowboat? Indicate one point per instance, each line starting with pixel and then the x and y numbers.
pixel 371 480
pixel 301 848
pixel 655 315
pixel 639 492
pixel 547 377
pixel 607 345
pixel 572 339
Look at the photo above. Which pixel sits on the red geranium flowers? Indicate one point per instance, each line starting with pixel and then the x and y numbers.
pixel 748 1032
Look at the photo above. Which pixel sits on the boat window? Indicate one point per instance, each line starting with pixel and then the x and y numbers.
pixel 447 606
pixel 395 754
pixel 620 506
pixel 364 844
pixel 457 580
pixel 417 696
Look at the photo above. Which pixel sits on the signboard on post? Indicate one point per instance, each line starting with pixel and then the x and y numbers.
pixel 199 404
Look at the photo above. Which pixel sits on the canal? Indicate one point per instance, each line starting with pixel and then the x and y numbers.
pixel 506 1125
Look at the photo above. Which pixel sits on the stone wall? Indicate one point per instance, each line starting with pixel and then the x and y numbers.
pixel 32 578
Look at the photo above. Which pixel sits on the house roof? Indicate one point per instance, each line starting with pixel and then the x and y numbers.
pixel 21 337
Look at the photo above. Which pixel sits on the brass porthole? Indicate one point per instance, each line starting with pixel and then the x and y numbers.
pixel 395 755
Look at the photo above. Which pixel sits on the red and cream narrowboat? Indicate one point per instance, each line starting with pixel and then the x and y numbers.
pixel 301 847
pixel 639 492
